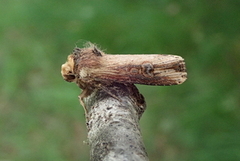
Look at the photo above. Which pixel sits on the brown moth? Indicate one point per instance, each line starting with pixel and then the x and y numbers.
pixel 90 67
pixel 90 64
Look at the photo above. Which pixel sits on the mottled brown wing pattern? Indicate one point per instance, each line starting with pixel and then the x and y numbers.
pixel 87 65
pixel 141 69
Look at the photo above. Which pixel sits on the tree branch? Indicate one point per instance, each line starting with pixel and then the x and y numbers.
pixel 113 123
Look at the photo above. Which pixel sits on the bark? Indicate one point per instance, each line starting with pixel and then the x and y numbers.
pixel 112 117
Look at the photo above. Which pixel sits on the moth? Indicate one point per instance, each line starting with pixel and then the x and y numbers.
pixel 90 68
pixel 88 65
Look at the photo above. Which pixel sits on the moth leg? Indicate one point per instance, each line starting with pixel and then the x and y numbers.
pixel 82 95
pixel 109 92
pixel 104 86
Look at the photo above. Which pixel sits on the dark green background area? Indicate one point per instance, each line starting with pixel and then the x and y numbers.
pixel 40 116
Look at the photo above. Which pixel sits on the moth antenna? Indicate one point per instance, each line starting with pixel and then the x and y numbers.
pixel 88 44
pixel 80 41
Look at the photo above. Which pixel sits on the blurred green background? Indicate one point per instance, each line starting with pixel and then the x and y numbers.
pixel 40 116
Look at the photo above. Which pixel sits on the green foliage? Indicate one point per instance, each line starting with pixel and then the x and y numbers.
pixel 40 116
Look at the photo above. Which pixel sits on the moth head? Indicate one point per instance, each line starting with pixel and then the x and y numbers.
pixel 67 70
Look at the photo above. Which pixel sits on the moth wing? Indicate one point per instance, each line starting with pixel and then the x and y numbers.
pixel 160 70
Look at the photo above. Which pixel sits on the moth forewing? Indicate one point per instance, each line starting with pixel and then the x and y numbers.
pixel 90 66
pixel 152 69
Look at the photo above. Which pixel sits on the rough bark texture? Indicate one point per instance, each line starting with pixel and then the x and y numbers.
pixel 113 123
